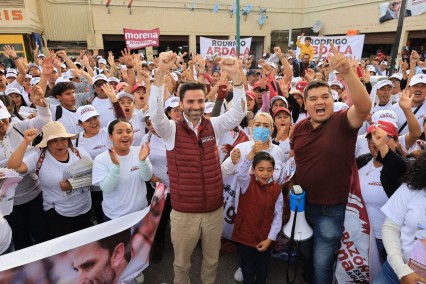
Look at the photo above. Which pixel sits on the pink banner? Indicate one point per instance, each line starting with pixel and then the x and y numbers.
pixel 136 39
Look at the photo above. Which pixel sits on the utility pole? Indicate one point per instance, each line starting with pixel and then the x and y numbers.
pixel 395 47
pixel 237 37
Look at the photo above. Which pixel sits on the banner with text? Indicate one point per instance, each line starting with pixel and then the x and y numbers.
pixel 112 252
pixel 348 45
pixel 392 9
pixel 225 48
pixel 136 39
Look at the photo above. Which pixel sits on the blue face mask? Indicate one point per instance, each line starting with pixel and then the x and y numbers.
pixel 261 134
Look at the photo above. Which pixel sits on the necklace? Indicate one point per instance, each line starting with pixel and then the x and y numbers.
pixel 372 167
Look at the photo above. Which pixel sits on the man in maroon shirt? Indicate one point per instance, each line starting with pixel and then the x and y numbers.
pixel 324 146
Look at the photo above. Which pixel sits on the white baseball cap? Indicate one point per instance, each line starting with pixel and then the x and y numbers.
pixel 70 74
pixel 371 68
pixel 33 65
pixel 41 55
pixel 272 64
pixel 209 107
pixel 384 63
pixel 61 80
pixel 386 115
pixel 397 76
pixel 11 75
pixel 11 70
pixel 12 91
pixel 86 112
pixel 123 94
pixel 99 77
pixel 383 83
pixel 279 98
pixel 4 113
pixel 336 83
pixel 418 79
pixel 172 102
pixel 28 76
pixel 338 106
pixel 102 61
pixel 113 79
pixel 34 81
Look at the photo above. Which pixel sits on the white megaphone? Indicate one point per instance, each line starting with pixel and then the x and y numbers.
pixel 297 227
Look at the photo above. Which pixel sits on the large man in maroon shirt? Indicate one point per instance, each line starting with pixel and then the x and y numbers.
pixel 324 146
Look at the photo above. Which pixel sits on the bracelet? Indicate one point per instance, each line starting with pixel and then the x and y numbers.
pixel 238 85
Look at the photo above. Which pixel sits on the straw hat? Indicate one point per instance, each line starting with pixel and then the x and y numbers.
pixel 54 130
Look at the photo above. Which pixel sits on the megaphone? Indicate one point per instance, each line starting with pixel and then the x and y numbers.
pixel 297 227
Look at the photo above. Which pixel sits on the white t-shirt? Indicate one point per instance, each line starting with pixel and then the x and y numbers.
pixel 285 147
pixel 421 113
pixel 374 196
pixel 130 194
pixel 69 119
pixel 406 208
pixel 157 156
pixel 105 108
pixel 138 126
pixel 50 174
pixel 387 106
pixel 95 145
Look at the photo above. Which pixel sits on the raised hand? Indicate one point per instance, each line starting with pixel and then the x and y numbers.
pixel 414 57
pixel 37 94
pixel 338 61
pixel 61 53
pixel 109 91
pixel 110 58
pixel 47 66
pixel 379 137
pixel 113 156
pixel 30 134
pixel 284 87
pixel 405 100
pixel 236 156
pixel 10 51
pixel 166 61
pixel 144 152
pixel 128 58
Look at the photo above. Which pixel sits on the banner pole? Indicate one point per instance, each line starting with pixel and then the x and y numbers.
pixel 237 37
pixel 395 46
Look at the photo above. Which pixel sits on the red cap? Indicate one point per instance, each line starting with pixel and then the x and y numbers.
pixel 282 109
pixel 251 94
pixel 301 86
pixel 387 126
pixel 137 86
pixel 120 85
pixel 257 85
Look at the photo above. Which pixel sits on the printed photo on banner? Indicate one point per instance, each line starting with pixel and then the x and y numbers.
pixel 349 46
pixel 391 10
pixel 136 39
pixel 113 252
pixel 226 48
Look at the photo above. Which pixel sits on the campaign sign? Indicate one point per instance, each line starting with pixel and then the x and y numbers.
pixel 225 48
pixel 349 46
pixel 112 252
pixel 136 39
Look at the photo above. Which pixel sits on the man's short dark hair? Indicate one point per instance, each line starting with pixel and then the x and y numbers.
pixel 59 88
pixel 191 86
pixel 109 243
pixel 314 85
pixel 308 38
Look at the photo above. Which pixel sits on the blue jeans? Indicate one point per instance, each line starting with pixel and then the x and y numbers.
pixel 386 275
pixel 321 250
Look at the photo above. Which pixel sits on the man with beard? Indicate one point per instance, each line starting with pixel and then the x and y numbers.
pixel 103 261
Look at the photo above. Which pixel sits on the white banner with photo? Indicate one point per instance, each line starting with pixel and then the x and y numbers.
pixel 392 9
pixel 225 48
pixel 350 46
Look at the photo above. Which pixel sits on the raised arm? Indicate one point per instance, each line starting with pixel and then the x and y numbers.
pixel 131 78
pixel 360 109
pixel 414 130
pixel 15 160
pixel 62 54
pixel 13 56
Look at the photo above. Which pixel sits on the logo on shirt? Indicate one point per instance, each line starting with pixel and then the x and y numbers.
pixel 99 147
pixel 136 130
pixel 134 168
pixel 207 139
pixel 375 183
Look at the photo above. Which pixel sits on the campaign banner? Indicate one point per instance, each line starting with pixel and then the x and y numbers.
pixel 226 48
pixel 350 46
pixel 116 251
pixel 358 258
pixel 392 9
pixel 136 39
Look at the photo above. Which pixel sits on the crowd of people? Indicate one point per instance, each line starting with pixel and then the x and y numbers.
pixel 194 124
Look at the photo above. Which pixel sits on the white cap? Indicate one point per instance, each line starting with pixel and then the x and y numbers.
pixel 86 112
pixel 386 115
pixel 78 64
pixel 34 81
pixel 61 80
pixel 418 79
pixel 382 83
pixel 371 68
pixel 174 76
pixel 209 107
pixel 99 77
pixel 338 106
pixel 11 75
pixel 70 74
pixel 28 76
pixel 102 61
pixel 320 63
pixel 397 76
pixel 41 55
pixel 98 57
pixel 384 63
pixel 123 94
pixel 336 83
pixel 150 62
pixel 279 98
pixel 294 81
pixel 172 102
pixel 12 91
pixel 33 65
pixel 63 66
pixel 11 70
pixel 272 64
pixel 55 70
pixel 4 113
pixel 113 79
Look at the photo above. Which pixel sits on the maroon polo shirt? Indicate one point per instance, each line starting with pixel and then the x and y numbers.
pixel 324 157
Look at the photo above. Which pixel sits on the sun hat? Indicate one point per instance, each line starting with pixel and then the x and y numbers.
pixel 53 130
